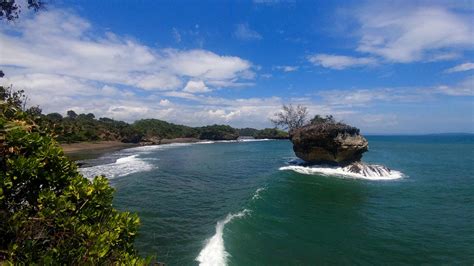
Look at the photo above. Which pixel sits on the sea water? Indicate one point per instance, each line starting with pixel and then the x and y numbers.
pixel 244 203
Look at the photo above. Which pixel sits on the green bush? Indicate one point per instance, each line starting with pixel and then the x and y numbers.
pixel 271 133
pixel 218 132
pixel 49 212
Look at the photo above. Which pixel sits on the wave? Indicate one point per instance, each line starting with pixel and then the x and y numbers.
pixel 132 163
pixel 151 148
pixel 121 167
pixel 257 193
pixel 343 172
pixel 214 252
pixel 253 140
pixel 230 141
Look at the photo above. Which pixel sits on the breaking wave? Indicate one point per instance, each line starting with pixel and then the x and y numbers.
pixel 230 141
pixel 121 167
pixel 343 172
pixel 257 193
pixel 151 148
pixel 214 252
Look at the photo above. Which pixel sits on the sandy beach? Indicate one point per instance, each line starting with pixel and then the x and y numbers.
pixel 91 150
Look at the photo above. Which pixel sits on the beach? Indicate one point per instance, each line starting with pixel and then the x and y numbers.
pixel 91 150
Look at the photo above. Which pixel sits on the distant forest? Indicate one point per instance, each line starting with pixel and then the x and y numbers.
pixel 85 127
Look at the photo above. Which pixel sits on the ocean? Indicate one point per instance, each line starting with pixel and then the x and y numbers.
pixel 244 203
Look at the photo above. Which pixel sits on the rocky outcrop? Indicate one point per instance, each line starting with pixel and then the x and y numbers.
pixel 337 145
pixel 327 144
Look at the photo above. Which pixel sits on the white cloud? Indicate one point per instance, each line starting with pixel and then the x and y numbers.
pixel 287 68
pixel 460 68
pixel 464 88
pixel 244 32
pixel 206 65
pixel 158 81
pixel 196 86
pixel 340 61
pixel 413 33
pixel 165 102
pixel 82 54
pixel 364 97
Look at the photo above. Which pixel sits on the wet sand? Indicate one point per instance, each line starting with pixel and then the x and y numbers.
pixel 91 150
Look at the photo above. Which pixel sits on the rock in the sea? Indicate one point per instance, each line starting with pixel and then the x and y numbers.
pixel 328 143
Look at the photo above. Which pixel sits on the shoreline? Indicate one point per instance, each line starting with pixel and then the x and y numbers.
pixel 92 150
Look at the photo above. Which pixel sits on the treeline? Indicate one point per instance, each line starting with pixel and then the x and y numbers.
pixel 85 127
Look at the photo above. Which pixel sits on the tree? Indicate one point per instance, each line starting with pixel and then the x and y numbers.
pixel 54 116
pixel 291 117
pixel 10 10
pixel 71 114
pixel 49 213
pixel 34 111
pixel 317 119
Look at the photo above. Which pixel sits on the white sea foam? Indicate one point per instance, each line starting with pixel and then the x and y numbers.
pixel 214 253
pixel 230 141
pixel 151 148
pixel 132 163
pixel 121 167
pixel 206 142
pixel 252 140
pixel 257 193
pixel 342 172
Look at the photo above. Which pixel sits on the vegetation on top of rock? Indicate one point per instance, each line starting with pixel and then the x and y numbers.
pixel 49 212
pixel 290 117
pixel 330 126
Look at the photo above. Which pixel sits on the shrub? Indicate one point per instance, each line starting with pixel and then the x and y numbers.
pixel 49 212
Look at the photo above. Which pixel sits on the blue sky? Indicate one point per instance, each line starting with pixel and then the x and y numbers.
pixel 404 67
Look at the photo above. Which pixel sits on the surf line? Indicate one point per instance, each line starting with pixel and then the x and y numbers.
pixel 214 252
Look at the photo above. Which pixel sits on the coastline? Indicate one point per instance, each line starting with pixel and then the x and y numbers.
pixel 92 150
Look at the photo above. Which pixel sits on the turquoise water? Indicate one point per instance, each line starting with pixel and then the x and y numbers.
pixel 228 203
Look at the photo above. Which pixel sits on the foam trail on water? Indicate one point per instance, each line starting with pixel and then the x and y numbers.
pixel 151 148
pixel 342 172
pixel 257 193
pixel 121 167
pixel 230 141
pixel 214 253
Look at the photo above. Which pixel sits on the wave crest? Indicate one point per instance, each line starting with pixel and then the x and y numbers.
pixel 214 252
pixel 121 167
pixel 343 172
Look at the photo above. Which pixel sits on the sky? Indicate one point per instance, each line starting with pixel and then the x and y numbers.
pixel 387 67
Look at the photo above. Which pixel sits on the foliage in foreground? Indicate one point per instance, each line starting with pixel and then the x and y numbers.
pixel 49 213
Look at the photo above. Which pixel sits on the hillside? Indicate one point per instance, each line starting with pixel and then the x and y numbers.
pixel 85 127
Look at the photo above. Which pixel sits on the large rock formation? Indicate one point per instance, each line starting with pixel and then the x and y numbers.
pixel 328 143
pixel 337 144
